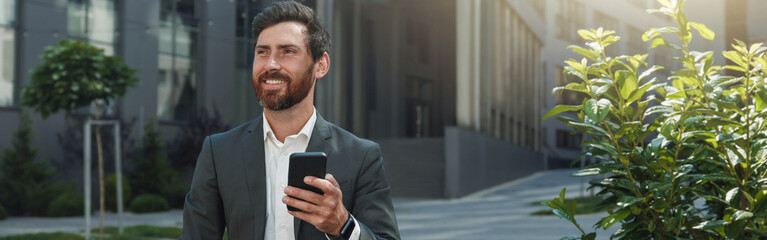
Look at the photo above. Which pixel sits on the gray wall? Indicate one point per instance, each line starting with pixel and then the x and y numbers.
pixel 474 162
pixel 415 167
pixel 460 164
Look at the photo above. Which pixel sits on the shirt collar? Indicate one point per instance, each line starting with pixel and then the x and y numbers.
pixel 306 130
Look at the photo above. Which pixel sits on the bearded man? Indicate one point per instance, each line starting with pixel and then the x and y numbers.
pixel 240 181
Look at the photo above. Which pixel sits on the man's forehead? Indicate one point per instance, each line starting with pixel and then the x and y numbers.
pixel 284 33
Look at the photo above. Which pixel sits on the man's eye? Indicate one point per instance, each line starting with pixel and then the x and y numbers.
pixel 289 51
pixel 260 52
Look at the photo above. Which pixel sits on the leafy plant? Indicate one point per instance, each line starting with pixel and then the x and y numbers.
pixel 76 74
pixel 188 142
pixel 153 172
pixel 66 205
pixel 111 192
pixel 147 202
pixel 583 205
pixel 3 213
pixel 24 180
pixel 678 161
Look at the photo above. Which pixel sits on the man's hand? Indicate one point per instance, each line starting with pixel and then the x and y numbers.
pixel 326 212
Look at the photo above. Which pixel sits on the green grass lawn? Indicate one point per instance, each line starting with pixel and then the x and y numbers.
pixel 584 205
pixel 129 233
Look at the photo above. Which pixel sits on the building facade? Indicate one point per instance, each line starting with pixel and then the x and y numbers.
pixel 453 90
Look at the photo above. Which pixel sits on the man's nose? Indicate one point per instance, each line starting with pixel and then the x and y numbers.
pixel 272 64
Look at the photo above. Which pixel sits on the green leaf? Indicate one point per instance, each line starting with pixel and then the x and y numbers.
pixel 589 236
pixel 731 194
pixel 586 172
pixel 735 57
pixel 704 31
pixel 562 108
pixel 742 215
pixel 654 32
pixel 711 224
pixel 614 218
pixel 627 83
pixel 659 41
pixel 587 35
pixel 626 200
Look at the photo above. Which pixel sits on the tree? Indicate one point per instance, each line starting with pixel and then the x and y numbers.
pixel 153 173
pixel 23 179
pixel 73 75
pixel 680 161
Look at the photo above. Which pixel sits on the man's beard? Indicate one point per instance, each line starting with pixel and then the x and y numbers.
pixel 295 91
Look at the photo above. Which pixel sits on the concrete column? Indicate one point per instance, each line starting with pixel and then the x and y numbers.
pixel 463 55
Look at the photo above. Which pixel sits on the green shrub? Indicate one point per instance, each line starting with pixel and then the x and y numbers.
pixel 678 161
pixel 44 236
pixel 153 173
pixel 176 195
pixel 25 180
pixel 110 192
pixel 3 213
pixel 66 205
pixel 147 202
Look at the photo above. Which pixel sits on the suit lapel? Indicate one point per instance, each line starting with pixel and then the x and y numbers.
pixel 319 142
pixel 255 172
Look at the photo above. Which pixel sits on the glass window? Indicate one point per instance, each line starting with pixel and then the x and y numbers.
pixel 246 10
pixel 93 21
pixel 176 88
pixel 7 51
pixel 569 19
pixel 177 78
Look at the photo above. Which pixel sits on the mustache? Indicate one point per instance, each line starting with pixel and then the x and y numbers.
pixel 273 75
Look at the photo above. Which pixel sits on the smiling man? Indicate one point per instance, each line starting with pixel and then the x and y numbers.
pixel 240 181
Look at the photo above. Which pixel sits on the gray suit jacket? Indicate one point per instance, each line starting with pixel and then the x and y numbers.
pixel 229 185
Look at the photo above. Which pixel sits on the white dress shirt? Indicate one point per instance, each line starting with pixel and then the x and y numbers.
pixel 279 223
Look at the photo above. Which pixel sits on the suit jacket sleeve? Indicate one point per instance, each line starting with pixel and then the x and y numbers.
pixel 203 208
pixel 373 207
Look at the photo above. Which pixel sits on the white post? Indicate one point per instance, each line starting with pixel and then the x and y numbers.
pixel 87 172
pixel 118 174
pixel 87 176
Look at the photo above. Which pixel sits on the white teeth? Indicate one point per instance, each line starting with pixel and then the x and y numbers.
pixel 274 82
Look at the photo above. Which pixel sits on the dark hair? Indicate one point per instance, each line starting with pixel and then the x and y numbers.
pixel 317 36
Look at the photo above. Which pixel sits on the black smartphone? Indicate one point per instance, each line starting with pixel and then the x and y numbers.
pixel 306 164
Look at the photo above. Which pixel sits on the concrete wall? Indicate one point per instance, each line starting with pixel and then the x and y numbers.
pixel 415 167
pixel 462 163
pixel 474 162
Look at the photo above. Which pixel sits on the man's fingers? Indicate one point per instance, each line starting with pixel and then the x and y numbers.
pixel 307 217
pixel 304 194
pixel 322 184
pixel 332 180
pixel 298 203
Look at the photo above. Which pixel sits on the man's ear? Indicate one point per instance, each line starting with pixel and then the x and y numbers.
pixel 322 66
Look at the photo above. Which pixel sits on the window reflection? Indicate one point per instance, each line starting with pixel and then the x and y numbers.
pixel 177 80
pixel 176 88
pixel 93 21
pixel 7 12
pixel 7 51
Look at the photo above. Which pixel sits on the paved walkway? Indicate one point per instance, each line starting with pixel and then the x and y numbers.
pixel 502 212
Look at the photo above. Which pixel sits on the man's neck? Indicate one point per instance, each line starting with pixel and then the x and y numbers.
pixel 289 121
